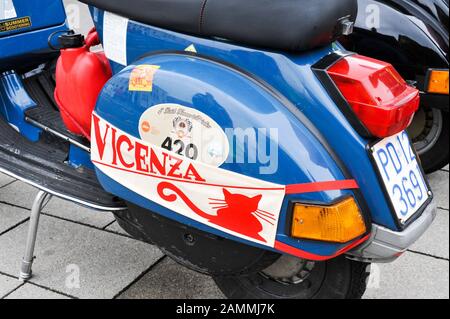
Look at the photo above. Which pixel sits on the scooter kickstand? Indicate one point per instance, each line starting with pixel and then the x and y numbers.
pixel 27 261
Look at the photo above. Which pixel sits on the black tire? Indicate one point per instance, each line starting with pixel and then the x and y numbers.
pixel 129 224
pixel 339 278
pixel 436 155
pixel 197 250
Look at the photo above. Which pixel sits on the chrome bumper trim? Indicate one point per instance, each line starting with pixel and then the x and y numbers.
pixel 386 245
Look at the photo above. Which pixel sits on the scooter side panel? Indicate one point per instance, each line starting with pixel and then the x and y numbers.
pixel 233 101
pixel 24 33
pixel 292 76
pixel 40 14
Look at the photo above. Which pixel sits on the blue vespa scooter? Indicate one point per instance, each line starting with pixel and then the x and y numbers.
pixel 237 136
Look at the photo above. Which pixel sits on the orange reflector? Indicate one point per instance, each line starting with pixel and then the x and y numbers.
pixel 338 223
pixel 438 82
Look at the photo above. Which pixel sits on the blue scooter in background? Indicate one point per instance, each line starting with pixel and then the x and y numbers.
pixel 238 137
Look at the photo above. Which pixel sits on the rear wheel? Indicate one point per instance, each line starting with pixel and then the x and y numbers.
pixel 292 278
pixel 242 271
pixel 430 133
pixel 195 249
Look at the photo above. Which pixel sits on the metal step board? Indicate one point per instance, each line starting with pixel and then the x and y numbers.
pixel 46 116
pixel 49 120
pixel 44 165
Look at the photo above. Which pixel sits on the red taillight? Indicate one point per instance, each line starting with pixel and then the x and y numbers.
pixel 378 95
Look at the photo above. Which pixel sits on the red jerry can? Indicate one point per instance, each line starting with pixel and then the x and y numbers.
pixel 80 77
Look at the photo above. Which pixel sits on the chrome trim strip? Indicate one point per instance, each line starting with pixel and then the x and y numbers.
pixel 62 136
pixel 63 196
pixel 386 245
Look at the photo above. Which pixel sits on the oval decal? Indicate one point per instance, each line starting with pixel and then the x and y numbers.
pixel 185 131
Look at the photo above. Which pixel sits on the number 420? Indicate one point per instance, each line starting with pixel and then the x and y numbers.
pixel 179 147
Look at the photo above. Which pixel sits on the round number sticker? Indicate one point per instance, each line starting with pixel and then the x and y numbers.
pixel 185 131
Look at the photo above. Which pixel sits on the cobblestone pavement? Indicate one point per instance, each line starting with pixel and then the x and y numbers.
pixel 75 242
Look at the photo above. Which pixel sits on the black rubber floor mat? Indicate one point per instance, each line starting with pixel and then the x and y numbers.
pixel 50 118
pixel 43 164
pixel 40 87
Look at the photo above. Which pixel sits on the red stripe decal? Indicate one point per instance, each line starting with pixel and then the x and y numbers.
pixel 309 256
pixel 321 187
pixel 184 181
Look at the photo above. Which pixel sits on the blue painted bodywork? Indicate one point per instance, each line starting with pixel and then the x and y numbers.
pixel 29 46
pixel 14 101
pixel 238 87
pixel 208 83
pixel 79 157
pixel 289 74
pixel 42 13
pixel 210 87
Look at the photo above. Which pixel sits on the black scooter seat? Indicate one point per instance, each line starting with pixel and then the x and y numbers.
pixel 293 25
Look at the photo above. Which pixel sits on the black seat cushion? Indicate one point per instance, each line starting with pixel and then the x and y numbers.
pixel 278 24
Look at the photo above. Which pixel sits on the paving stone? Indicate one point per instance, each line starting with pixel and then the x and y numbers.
pixel 436 240
pixel 412 276
pixel 439 182
pixel 169 280
pixel 18 193
pixel 7 284
pixel 11 216
pixel 77 213
pixel 106 263
pixel 5 179
pixel 29 291
pixel 23 195
pixel 115 227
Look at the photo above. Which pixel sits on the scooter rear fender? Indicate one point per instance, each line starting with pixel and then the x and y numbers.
pixel 292 76
pixel 239 104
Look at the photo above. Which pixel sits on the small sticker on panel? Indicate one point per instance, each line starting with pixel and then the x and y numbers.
pixel 185 131
pixel 191 48
pixel 7 10
pixel 115 37
pixel 15 24
pixel 141 78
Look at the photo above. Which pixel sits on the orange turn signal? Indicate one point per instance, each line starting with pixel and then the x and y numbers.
pixel 438 82
pixel 339 223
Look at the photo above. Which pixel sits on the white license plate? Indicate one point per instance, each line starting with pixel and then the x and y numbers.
pixel 399 167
